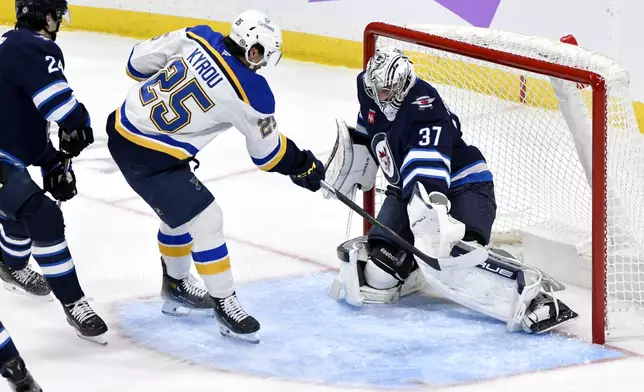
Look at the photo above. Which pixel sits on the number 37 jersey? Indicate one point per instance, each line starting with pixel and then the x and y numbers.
pixel 190 90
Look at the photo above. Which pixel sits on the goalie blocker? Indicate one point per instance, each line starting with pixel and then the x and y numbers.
pixel 501 287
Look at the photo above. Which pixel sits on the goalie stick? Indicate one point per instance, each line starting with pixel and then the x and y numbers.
pixel 466 260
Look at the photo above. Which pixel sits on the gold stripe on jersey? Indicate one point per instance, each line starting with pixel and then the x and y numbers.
pixel 147 143
pixel 223 65
pixel 127 71
pixel 278 156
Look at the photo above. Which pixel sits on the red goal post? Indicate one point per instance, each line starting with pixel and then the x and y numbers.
pixel 598 107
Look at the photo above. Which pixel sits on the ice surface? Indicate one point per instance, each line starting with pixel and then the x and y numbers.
pixel 308 337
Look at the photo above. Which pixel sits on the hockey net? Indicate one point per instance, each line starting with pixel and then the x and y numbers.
pixel 567 168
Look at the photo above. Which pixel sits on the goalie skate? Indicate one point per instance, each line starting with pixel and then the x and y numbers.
pixel 183 296
pixel 234 321
pixel 88 324
pixel 25 282
pixel 546 313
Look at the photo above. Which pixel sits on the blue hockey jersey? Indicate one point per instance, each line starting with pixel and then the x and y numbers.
pixel 33 92
pixel 424 142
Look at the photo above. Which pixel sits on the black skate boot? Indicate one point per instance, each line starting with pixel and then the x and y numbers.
pixel 25 281
pixel 88 324
pixel 234 321
pixel 182 296
pixel 20 380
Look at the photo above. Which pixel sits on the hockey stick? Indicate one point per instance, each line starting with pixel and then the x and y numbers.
pixel 401 242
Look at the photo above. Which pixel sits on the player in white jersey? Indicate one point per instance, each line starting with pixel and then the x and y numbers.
pixel 194 84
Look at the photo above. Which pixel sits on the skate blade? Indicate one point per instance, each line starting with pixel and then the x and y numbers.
pixel 175 309
pixel 247 338
pixel 564 322
pixel 100 339
pixel 20 291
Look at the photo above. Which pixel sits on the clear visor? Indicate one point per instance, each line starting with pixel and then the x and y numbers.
pixel 271 58
pixel 64 15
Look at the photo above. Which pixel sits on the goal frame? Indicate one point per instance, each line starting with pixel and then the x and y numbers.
pixel 599 132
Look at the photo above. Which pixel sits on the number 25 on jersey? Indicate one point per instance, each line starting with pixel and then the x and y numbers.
pixel 170 81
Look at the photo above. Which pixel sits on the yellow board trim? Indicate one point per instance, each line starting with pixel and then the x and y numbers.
pixel 297 45
pixel 175 251
pixel 143 142
pixel 278 157
pixel 214 268
pixel 224 65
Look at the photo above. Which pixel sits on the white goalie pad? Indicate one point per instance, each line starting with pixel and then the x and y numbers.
pixel 496 292
pixel 350 283
pixel 349 165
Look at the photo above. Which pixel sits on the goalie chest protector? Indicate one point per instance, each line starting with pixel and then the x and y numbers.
pixel 423 143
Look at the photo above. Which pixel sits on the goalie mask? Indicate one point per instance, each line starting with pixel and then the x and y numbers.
pixel 387 80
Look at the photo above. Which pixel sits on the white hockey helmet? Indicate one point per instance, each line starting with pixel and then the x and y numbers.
pixel 253 27
pixel 388 78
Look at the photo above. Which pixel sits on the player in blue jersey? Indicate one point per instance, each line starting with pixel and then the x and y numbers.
pixel 440 197
pixel 34 93
pixel 12 366
pixel 195 84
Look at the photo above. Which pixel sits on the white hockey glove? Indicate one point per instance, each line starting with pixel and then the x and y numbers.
pixel 350 165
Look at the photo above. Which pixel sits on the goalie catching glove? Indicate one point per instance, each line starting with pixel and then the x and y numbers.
pixel 350 166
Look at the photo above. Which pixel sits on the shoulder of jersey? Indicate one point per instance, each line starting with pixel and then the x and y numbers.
pixel 424 99
pixel 250 87
pixel 31 41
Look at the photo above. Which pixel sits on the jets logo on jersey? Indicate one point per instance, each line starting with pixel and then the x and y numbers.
pixel 380 146
pixel 372 116
pixel 423 102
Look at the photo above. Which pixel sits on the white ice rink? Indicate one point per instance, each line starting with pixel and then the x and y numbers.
pixel 274 229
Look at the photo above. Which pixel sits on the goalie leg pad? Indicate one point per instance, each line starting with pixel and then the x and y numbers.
pixel 387 267
pixel 354 256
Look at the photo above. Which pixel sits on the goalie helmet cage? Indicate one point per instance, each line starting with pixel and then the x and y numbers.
pixel 501 86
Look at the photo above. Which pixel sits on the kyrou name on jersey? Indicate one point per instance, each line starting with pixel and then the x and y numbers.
pixel 205 68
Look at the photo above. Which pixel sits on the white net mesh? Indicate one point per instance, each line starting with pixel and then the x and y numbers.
pixel 514 117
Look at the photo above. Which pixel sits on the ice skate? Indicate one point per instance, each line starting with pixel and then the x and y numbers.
pixel 25 282
pixel 88 324
pixel 234 321
pixel 19 378
pixel 546 313
pixel 182 296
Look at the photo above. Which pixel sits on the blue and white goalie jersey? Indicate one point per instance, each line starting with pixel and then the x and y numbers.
pixel 424 142
pixel 191 89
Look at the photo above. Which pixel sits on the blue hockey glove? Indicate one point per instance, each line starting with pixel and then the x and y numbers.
pixel 60 183
pixel 310 173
